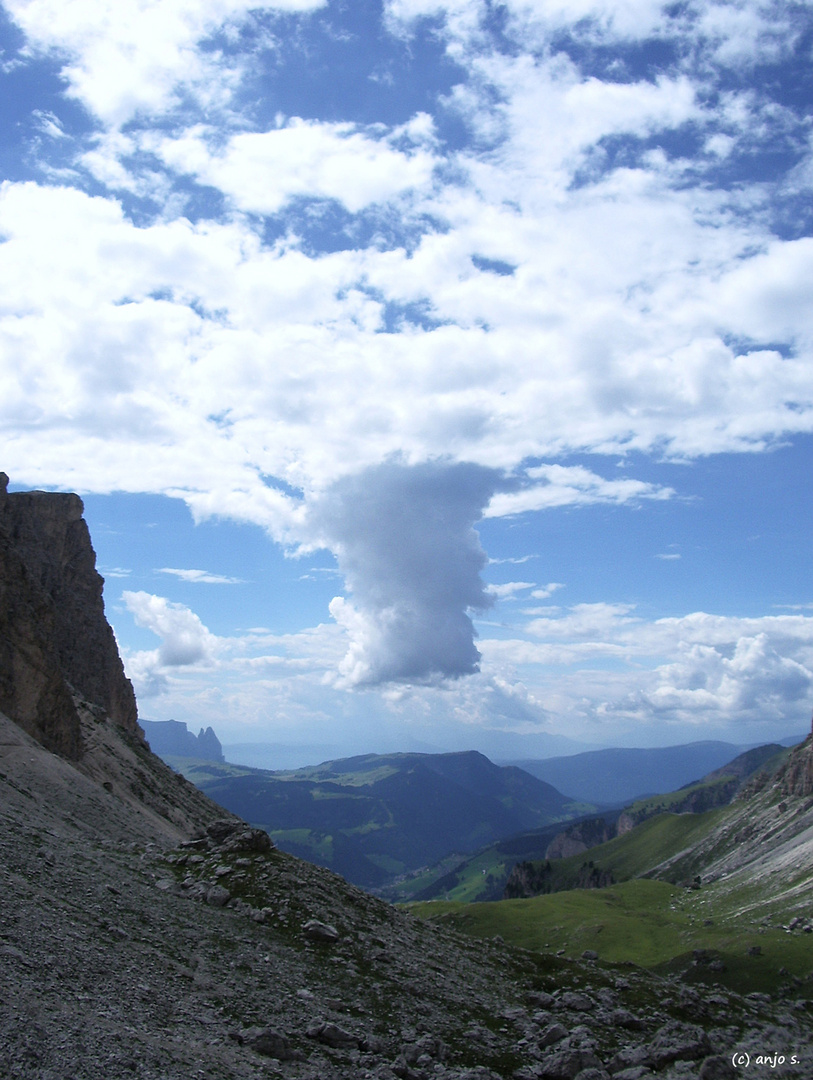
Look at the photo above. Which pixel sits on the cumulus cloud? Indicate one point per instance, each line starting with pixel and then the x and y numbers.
pixel 185 640
pixel 261 171
pixel 125 57
pixel 602 663
pixel 406 544
pixel 294 303
pixel 749 681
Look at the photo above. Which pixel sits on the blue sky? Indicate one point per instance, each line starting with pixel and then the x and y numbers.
pixel 435 374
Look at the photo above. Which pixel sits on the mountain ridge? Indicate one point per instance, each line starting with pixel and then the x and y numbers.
pixel 375 817
pixel 620 775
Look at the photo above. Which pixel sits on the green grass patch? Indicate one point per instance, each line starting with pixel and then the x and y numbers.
pixel 657 839
pixel 633 921
pixel 635 853
pixel 652 924
pixel 659 804
pixel 386 862
pixel 319 844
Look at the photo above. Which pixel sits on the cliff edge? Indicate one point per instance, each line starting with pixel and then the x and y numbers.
pixel 56 645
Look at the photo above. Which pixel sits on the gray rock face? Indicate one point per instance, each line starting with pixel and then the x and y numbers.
pixel 54 638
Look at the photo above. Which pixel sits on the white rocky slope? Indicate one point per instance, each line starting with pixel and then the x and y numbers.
pixel 758 859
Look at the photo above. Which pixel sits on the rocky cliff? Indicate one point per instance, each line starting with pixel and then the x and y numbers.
pixel 796 775
pixel 56 645
pixel 580 837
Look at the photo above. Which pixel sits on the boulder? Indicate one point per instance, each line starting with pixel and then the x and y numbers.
pixel 315 930
pixel 676 1041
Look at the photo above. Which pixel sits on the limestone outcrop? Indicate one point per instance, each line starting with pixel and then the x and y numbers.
pixel 55 642
pixel 796 776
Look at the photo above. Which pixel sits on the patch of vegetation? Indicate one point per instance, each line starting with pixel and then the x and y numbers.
pixel 649 923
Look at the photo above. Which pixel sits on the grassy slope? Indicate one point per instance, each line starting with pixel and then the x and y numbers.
pixel 627 856
pixel 754 857
pixel 650 923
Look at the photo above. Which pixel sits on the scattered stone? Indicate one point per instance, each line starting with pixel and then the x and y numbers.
pixel 629 1057
pixel 270 1043
pixel 315 930
pixel 331 1035
pixel 676 1041
pixel 625 1019
pixel 575 1001
pixel 552 1035
pixel 566 1064
pixel 717 1067
pixel 220 831
pixel 217 896
pixel 12 953
pixel 540 999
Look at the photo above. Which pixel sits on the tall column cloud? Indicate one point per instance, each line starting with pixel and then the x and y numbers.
pixel 406 544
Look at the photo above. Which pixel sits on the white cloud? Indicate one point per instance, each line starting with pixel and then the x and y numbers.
pixel 261 171
pixel 569 486
pixel 600 664
pixel 547 590
pixel 185 640
pixel 509 589
pixel 406 545
pixel 534 297
pixel 204 577
pixel 585 621
pixel 125 57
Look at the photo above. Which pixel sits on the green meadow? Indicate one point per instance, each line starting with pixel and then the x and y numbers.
pixel 651 924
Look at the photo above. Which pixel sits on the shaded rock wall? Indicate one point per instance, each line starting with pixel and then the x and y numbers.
pixel 54 637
